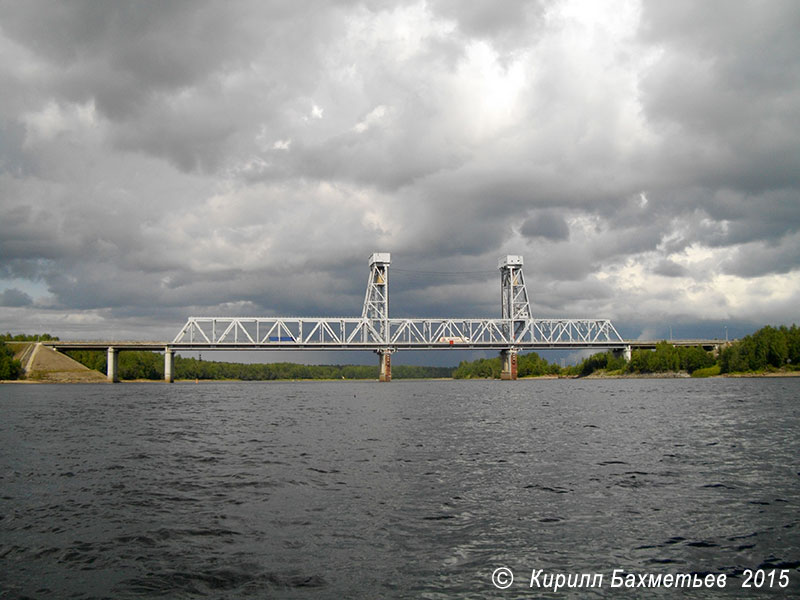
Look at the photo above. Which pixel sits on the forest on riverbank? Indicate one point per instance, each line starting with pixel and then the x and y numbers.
pixel 150 365
pixel 768 350
pixel 773 350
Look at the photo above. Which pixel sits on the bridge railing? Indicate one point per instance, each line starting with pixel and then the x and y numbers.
pixel 364 333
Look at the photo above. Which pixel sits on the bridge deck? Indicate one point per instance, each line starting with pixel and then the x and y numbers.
pixel 155 346
pixel 106 344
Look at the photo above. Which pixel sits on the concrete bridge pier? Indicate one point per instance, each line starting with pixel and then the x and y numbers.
pixel 385 358
pixel 168 357
pixel 111 365
pixel 717 348
pixel 509 359
pixel 623 352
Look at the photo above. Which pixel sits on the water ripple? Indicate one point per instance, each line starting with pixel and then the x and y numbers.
pixel 415 489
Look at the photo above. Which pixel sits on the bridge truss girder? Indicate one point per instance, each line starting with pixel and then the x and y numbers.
pixel 365 334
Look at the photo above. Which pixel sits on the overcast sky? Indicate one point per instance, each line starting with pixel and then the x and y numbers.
pixel 166 159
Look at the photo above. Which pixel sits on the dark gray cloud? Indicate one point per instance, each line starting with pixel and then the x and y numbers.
pixel 668 268
pixel 123 54
pixel 546 225
pixel 754 259
pixel 509 29
pixel 724 82
pixel 159 160
pixel 14 297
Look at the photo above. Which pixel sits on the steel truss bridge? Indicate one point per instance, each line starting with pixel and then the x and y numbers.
pixel 375 330
pixel 300 333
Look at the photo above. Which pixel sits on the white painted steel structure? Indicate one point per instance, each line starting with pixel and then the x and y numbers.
pixel 513 294
pixel 363 334
pixel 375 330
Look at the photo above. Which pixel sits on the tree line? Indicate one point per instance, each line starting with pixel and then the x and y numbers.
pixel 9 368
pixel 528 365
pixel 27 337
pixel 150 365
pixel 770 349
pixel 767 349
pixel 665 358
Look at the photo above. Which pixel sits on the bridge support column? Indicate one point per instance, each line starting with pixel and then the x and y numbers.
pixel 623 352
pixel 168 355
pixel 111 365
pixel 385 358
pixel 509 359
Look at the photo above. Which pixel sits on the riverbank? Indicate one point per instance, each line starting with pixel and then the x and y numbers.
pixel 685 375
pixel 41 364
pixel 96 377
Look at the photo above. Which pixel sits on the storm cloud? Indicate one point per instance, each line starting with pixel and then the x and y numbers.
pixel 14 297
pixel 165 159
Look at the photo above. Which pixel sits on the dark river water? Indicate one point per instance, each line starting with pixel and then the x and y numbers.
pixel 401 490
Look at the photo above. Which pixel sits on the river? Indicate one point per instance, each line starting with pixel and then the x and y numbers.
pixel 413 489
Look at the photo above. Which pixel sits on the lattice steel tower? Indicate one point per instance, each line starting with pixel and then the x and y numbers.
pixel 513 294
pixel 376 300
pixel 376 308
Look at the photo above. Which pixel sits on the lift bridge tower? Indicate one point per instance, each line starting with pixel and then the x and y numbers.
pixel 376 307
pixel 515 306
pixel 516 310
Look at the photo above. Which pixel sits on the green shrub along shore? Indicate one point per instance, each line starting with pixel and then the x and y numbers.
pixel 10 368
pixel 770 350
pixel 150 365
